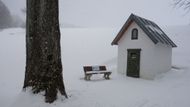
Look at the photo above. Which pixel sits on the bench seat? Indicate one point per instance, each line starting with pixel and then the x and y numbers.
pixel 97 72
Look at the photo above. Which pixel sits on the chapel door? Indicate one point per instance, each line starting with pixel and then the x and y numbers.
pixel 133 63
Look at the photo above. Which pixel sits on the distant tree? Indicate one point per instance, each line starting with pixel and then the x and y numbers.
pixel 17 21
pixel 185 4
pixel 43 54
pixel 5 16
pixel 23 10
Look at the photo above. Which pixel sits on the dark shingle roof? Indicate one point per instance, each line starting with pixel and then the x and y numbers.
pixel 153 31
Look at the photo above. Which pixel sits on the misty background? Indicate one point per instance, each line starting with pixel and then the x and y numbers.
pixel 108 13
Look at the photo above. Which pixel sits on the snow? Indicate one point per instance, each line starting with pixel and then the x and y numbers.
pixel 84 46
pixel 154 29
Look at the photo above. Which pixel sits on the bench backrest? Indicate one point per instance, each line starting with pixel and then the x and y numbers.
pixel 90 68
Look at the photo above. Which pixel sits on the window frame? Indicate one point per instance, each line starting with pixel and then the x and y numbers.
pixel 134 34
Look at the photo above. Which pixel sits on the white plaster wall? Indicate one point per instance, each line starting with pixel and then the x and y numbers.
pixel 163 54
pixel 149 64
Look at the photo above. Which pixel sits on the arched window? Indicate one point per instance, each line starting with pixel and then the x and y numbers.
pixel 134 34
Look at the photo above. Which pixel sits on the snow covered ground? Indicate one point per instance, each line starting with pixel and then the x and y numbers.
pixel 82 46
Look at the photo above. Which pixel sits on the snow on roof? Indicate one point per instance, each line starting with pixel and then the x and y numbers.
pixel 154 29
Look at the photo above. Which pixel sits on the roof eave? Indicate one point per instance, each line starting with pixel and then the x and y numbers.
pixel 174 46
pixel 114 44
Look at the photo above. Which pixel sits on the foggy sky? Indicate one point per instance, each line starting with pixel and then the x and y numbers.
pixel 112 13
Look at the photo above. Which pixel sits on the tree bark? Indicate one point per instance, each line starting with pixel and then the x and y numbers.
pixel 43 54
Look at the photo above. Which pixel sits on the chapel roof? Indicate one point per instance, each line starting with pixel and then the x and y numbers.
pixel 153 31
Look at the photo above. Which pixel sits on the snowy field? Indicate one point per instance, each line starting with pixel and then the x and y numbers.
pixel 82 46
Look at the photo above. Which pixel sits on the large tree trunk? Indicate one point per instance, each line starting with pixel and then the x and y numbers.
pixel 43 54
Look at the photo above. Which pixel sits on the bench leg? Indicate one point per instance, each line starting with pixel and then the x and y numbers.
pixel 106 75
pixel 87 77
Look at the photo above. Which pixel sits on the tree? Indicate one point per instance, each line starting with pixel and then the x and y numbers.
pixel 185 4
pixel 43 55
pixel 5 16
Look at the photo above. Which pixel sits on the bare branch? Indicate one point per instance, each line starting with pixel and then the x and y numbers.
pixel 185 4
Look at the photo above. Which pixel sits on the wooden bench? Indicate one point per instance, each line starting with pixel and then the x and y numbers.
pixel 90 70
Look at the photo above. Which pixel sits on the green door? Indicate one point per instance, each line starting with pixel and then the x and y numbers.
pixel 133 63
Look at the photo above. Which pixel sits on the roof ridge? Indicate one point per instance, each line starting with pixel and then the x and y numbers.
pixel 143 18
